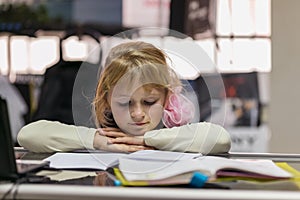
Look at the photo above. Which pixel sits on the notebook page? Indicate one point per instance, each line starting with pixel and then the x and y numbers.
pixel 209 165
pixel 100 161
pixel 162 155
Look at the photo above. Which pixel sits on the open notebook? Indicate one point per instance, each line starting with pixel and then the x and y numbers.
pixel 10 168
pixel 212 166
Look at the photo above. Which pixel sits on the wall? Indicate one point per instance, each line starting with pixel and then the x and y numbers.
pixel 284 110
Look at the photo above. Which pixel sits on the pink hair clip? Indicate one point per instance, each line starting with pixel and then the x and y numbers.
pixel 178 111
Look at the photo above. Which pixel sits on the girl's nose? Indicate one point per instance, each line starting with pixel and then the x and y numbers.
pixel 137 112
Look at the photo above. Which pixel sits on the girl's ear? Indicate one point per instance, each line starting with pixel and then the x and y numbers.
pixel 168 94
pixel 178 110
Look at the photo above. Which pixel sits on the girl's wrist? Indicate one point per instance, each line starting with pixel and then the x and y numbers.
pixel 99 140
pixel 142 139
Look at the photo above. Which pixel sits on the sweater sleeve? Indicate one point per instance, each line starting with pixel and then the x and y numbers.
pixel 205 138
pixel 49 136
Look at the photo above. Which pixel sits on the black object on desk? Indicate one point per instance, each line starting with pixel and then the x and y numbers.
pixel 9 168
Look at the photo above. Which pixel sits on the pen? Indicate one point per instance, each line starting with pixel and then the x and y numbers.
pixel 114 179
pixel 198 180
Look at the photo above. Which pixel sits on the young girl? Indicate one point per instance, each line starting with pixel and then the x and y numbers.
pixel 138 105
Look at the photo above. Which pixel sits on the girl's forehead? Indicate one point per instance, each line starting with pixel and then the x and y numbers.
pixel 144 90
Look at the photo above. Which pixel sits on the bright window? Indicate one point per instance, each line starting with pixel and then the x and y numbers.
pixel 3 55
pixel 43 53
pixel 243 55
pixel 251 17
pixel 33 55
pixel 20 48
pixel 243 35
pixel 85 49
pixel 74 49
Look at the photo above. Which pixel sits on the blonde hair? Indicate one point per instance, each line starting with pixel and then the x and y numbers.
pixel 136 62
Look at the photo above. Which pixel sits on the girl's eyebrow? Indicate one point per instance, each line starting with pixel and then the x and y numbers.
pixel 122 97
pixel 146 95
pixel 152 96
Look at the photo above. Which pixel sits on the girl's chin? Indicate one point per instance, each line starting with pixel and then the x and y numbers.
pixel 136 132
pixel 140 131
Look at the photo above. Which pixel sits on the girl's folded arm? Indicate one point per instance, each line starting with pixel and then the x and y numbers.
pixel 49 136
pixel 203 137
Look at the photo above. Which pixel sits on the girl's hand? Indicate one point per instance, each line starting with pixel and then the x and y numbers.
pixel 113 139
pixel 116 136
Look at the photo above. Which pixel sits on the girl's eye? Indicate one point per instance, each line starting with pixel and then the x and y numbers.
pixel 123 104
pixel 150 103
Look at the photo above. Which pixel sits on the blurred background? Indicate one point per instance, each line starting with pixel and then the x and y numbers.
pixel 252 44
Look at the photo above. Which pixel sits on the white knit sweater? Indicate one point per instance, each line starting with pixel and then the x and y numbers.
pixel 49 136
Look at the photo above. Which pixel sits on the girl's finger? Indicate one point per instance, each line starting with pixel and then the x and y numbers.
pixel 111 133
pixel 133 148
pixel 127 140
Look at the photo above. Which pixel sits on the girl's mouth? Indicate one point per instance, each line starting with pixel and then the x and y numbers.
pixel 139 123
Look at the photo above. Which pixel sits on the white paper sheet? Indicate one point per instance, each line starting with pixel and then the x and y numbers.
pixel 162 155
pixel 100 161
pixel 134 170
pixel 103 160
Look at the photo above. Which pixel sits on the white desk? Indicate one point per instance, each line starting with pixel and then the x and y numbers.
pixel 69 192
pixel 276 157
pixel 74 192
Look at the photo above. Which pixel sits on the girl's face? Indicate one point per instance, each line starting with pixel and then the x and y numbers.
pixel 138 112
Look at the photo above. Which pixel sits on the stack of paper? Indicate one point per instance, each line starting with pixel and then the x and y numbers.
pixel 104 160
pixel 98 161
pixel 153 167
pixel 157 169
